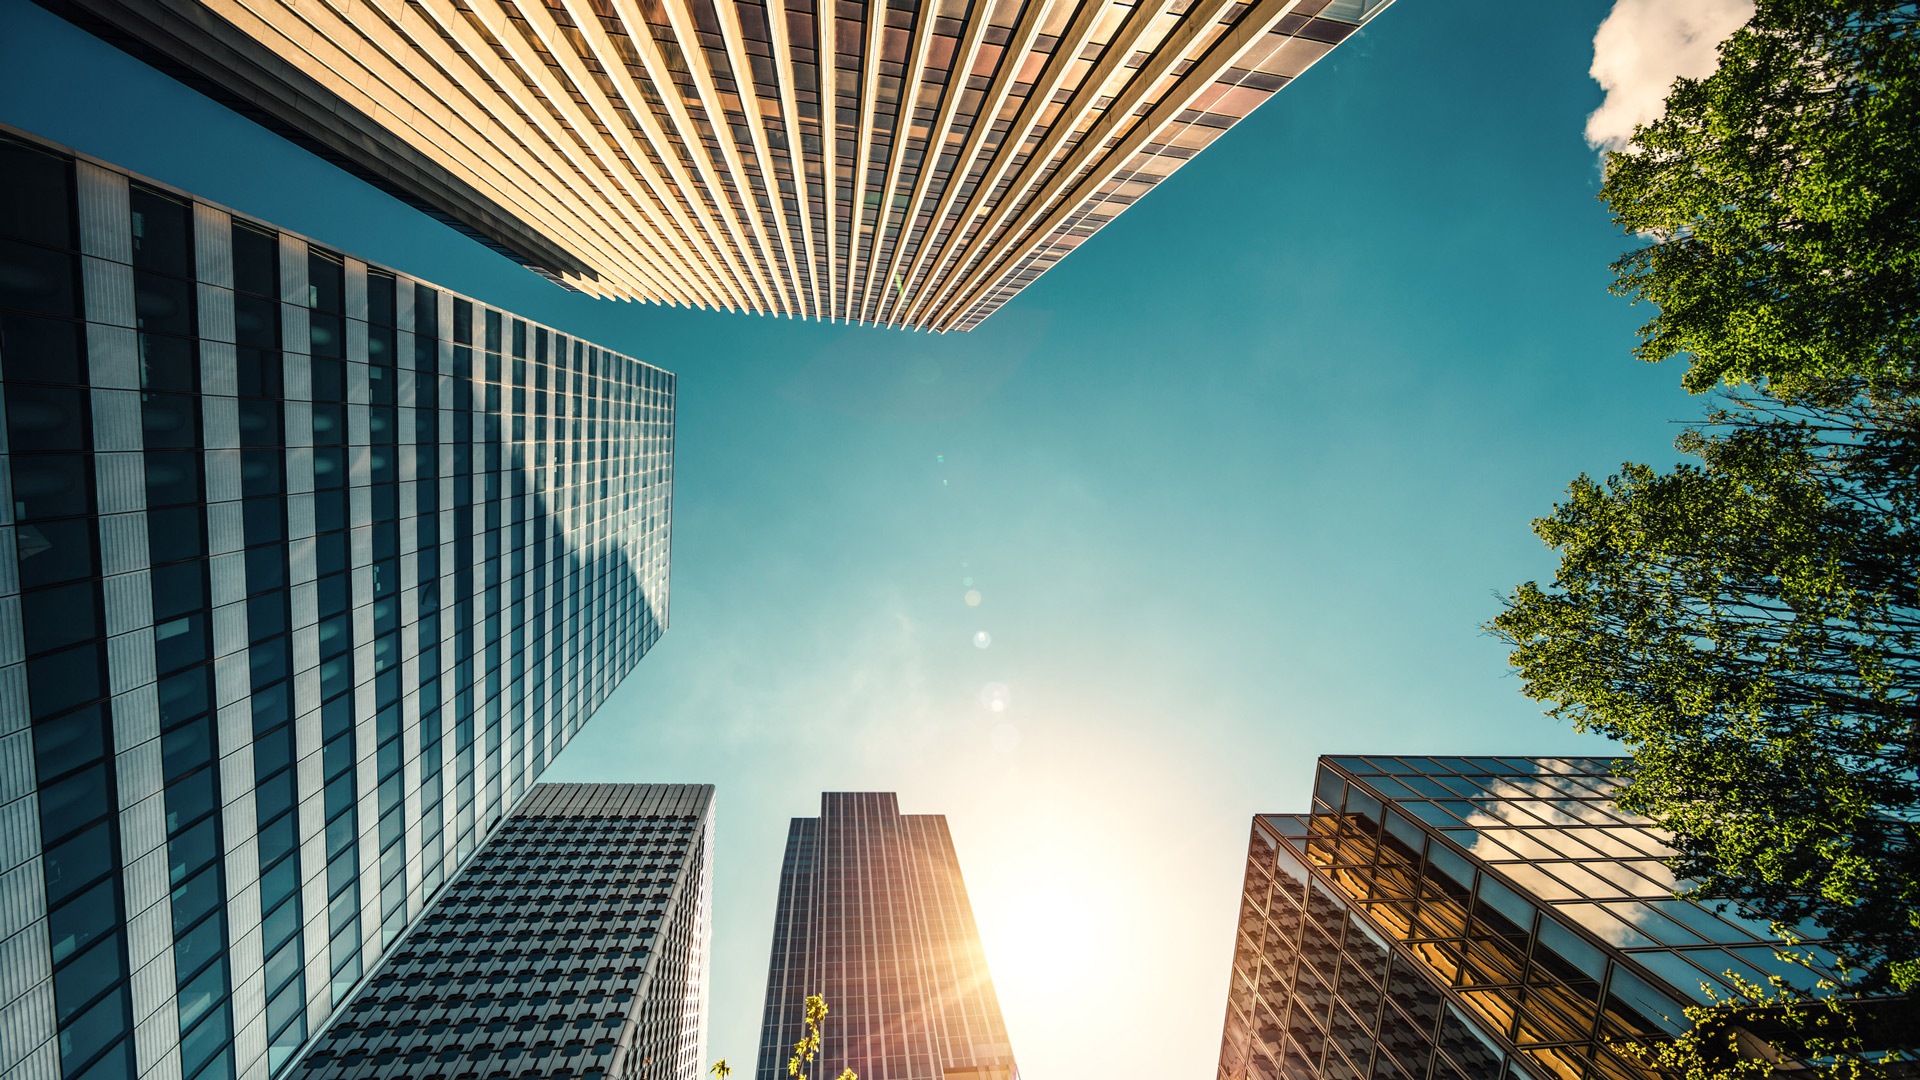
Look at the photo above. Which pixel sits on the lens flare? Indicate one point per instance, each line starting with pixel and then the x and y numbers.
pixel 973 597
pixel 982 639
pixel 996 697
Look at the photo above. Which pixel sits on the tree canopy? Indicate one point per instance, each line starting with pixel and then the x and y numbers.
pixel 1780 198
pixel 1749 626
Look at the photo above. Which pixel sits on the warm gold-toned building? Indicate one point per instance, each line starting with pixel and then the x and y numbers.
pixel 873 916
pixel 678 151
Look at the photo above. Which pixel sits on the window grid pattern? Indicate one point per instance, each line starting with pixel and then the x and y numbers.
pixel 1398 932
pixel 307 570
pixel 571 946
pixel 68 1002
pixel 873 915
pixel 899 164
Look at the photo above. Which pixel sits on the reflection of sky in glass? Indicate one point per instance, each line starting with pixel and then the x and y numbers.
pixel 1549 826
pixel 1451 926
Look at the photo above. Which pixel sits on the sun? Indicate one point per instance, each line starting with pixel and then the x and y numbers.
pixel 1044 937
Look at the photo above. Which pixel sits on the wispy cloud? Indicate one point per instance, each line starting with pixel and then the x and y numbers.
pixel 1646 44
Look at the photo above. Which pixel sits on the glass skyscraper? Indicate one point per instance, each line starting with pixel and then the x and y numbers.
pixel 307 569
pixel 873 916
pixel 572 945
pixel 910 164
pixel 1470 917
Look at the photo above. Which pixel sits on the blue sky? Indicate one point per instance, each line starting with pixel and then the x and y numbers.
pixel 1237 483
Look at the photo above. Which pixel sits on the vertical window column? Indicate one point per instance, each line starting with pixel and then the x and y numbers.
pixel 488 475
pixel 315 429
pixel 374 668
pixel 272 432
pixel 182 480
pixel 432 492
pixel 466 654
pixel 63 844
pixel 567 574
pixel 335 912
pixel 122 303
pixel 550 547
pixel 539 517
pixel 394 654
pixel 238 958
pixel 513 519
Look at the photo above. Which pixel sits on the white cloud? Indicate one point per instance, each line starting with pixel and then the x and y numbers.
pixel 1646 44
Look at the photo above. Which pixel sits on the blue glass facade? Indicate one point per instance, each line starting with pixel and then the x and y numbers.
pixel 307 569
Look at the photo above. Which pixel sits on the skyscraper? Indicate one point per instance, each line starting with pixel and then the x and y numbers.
pixel 874 917
pixel 909 164
pixel 1479 918
pixel 573 944
pixel 307 569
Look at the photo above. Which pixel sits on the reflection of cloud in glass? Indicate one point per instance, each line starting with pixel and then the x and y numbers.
pixel 1662 876
pixel 1603 924
pixel 1545 842
pixel 1540 835
pixel 1685 977
pixel 1538 882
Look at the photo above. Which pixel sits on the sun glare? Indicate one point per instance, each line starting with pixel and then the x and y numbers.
pixel 1043 939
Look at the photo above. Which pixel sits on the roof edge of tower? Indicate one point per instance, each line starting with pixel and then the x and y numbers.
pixel 199 48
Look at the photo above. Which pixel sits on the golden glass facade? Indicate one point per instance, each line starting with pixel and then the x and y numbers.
pixel 908 164
pixel 873 915
pixel 1470 919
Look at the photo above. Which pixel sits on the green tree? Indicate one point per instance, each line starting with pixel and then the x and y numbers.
pixel 1781 200
pixel 1748 625
pixel 1744 1036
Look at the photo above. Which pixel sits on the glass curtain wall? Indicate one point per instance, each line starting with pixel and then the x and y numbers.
pixel 307 570
pixel 1473 918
